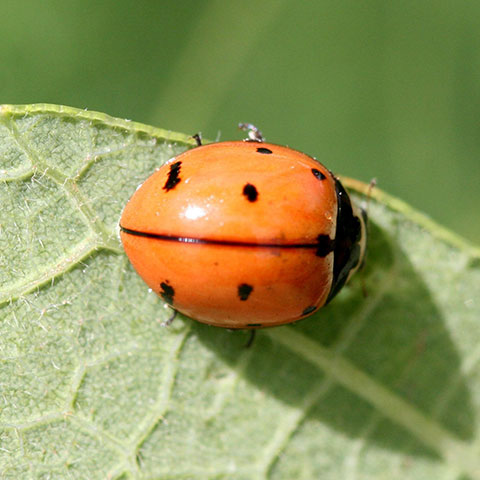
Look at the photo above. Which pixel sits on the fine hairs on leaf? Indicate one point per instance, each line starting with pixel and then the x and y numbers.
pixel 375 386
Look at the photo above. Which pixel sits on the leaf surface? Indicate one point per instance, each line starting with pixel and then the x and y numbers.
pixel 375 386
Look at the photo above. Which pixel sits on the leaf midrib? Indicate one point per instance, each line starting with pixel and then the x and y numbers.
pixel 455 452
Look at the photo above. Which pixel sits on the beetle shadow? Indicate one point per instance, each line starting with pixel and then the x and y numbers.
pixel 396 335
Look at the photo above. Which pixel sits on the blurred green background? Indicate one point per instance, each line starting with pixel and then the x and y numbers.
pixel 373 89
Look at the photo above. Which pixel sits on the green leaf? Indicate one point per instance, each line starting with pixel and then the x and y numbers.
pixel 382 386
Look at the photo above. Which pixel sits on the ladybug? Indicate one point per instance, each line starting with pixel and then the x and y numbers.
pixel 244 234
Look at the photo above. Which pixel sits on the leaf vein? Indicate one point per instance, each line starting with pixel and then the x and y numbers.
pixel 393 407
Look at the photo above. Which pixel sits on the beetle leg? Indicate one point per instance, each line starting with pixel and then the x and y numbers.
pixel 251 338
pixel 198 139
pixel 254 134
pixel 170 319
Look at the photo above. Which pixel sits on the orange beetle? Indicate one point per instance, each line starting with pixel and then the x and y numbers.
pixel 244 234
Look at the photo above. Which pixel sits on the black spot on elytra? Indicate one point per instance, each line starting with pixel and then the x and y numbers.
pixel 167 292
pixel 173 176
pixel 254 324
pixel 250 192
pixel 309 310
pixel 263 150
pixel 244 291
pixel 318 174
pixel 325 245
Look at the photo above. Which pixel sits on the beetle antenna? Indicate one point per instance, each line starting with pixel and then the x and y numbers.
pixel 371 186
